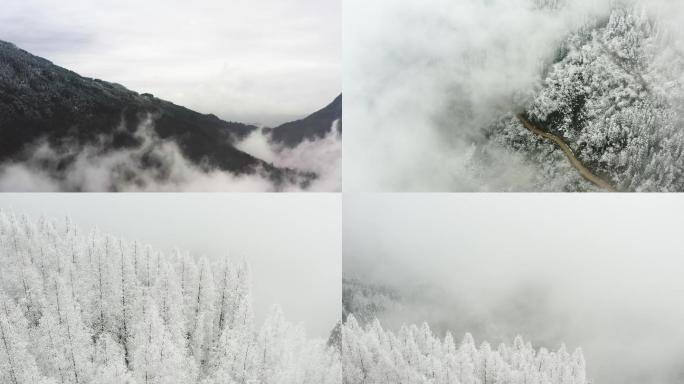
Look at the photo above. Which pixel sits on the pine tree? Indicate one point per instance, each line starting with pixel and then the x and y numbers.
pixel 88 307
pixel 371 354
pixel 17 364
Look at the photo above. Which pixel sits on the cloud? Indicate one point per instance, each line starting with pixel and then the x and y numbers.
pixel 322 156
pixel 423 78
pixel 157 165
pixel 19 177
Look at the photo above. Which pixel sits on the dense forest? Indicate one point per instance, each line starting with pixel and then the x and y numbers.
pixel 414 355
pixel 367 301
pixel 86 307
pixel 613 92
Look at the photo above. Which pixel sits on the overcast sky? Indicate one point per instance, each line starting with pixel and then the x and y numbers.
pixel 291 241
pixel 603 272
pixel 262 61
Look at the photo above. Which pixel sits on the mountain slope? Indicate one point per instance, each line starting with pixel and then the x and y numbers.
pixel 614 95
pixel 314 126
pixel 40 101
pixel 367 301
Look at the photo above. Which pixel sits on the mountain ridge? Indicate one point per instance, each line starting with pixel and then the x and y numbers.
pixel 312 127
pixel 42 101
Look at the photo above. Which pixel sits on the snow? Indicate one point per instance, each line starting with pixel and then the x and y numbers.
pixel 415 355
pixel 85 307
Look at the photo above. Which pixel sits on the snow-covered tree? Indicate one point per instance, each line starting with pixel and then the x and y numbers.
pixel 614 94
pixel 86 307
pixel 17 364
pixel 414 355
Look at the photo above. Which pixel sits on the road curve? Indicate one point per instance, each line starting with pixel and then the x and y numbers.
pixel 586 173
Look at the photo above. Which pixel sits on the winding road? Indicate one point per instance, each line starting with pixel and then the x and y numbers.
pixel 584 171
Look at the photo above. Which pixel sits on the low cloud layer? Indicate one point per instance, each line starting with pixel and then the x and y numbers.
pixel 321 156
pixel 159 165
pixel 424 78
pixel 599 272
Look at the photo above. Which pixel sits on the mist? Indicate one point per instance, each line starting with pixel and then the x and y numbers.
pixel 322 156
pixel 292 242
pixel 423 78
pixel 158 165
pixel 598 272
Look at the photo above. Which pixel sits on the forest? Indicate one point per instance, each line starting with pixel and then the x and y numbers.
pixel 414 355
pixel 613 92
pixel 87 307
pixel 604 76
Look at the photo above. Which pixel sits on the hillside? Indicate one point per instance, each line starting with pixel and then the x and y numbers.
pixel 53 121
pixel 367 301
pixel 315 126
pixel 613 94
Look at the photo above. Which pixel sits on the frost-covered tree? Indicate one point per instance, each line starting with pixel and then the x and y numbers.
pixel 414 355
pixel 615 96
pixel 548 4
pixel 17 364
pixel 85 307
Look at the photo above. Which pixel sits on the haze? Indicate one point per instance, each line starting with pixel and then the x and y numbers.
pixel 291 241
pixel 422 78
pixel 602 272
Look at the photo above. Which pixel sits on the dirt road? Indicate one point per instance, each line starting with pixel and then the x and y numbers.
pixel 586 173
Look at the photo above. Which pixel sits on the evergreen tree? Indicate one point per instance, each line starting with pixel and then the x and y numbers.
pixel 371 354
pixel 91 308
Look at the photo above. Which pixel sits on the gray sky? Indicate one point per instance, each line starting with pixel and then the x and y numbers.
pixel 603 272
pixel 262 61
pixel 291 241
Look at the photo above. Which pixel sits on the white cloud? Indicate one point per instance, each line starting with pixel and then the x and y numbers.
pixel 322 156
pixel 19 177
pixel 95 168
pixel 423 77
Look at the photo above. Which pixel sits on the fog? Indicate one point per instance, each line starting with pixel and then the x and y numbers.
pixel 96 168
pixel 291 241
pixel 422 78
pixel 322 156
pixel 263 61
pixel 599 272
